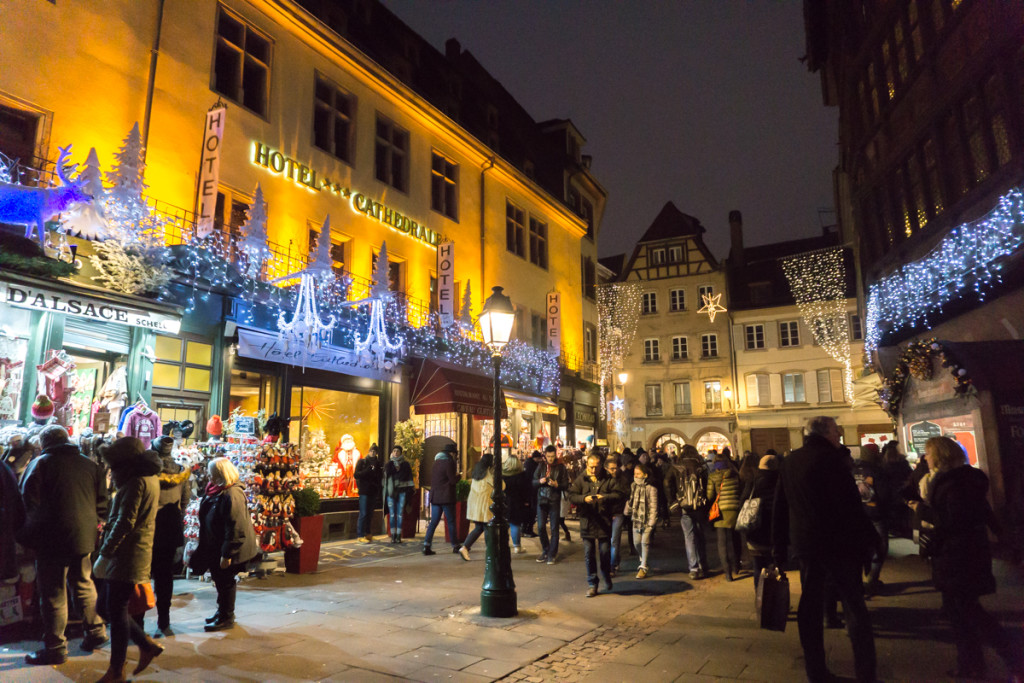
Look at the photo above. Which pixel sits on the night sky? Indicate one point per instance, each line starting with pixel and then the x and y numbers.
pixel 702 103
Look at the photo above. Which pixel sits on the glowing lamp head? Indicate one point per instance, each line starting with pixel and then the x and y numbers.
pixel 623 376
pixel 496 320
pixel 727 393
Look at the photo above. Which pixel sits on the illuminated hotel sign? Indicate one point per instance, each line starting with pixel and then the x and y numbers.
pixel 303 175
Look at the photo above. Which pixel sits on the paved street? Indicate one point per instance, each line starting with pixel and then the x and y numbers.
pixel 388 613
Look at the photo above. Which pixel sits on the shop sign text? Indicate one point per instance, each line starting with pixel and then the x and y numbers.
pixel 209 170
pixel 38 299
pixel 446 283
pixel 301 174
pixel 554 315
pixel 267 346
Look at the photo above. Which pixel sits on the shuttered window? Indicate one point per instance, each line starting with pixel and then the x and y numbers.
pixel 758 390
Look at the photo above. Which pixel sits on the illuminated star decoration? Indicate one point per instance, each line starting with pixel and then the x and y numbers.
pixel 616 403
pixel 712 306
pixel 317 408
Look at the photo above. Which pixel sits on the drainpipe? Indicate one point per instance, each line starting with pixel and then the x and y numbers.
pixel 154 53
pixel 482 287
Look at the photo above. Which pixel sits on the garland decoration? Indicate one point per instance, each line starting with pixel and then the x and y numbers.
pixel 916 361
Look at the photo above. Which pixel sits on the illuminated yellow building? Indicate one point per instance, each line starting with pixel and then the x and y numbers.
pixel 335 109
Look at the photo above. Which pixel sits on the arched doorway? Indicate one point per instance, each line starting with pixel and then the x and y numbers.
pixel 712 441
pixel 671 443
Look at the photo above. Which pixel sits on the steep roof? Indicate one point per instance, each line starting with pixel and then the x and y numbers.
pixel 613 263
pixel 671 222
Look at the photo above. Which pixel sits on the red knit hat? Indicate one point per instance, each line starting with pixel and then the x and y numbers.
pixel 214 426
pixel 42 409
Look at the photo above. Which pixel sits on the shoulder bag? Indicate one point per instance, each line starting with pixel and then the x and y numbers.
pixel 750 514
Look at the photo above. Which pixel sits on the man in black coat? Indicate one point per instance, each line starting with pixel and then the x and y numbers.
pixel 596 496
pixel 443 477
pixel 368 474
pixel 65 498
pixel 530 467
pixel 818 513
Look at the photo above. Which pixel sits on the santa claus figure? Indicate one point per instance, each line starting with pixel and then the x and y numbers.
pixel 345 457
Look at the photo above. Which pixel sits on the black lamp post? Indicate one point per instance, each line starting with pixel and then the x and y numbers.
pixel 498 596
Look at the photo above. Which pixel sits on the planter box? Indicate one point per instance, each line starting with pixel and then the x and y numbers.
pixel 306 558
pixel 461 523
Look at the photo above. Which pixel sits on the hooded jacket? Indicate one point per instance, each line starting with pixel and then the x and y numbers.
pixel 65 496
pixel 443 478
pixel 128 537
pixel 174 496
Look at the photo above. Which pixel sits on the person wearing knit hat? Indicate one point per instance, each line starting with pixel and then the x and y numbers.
pixel 768 462
pixel 42 409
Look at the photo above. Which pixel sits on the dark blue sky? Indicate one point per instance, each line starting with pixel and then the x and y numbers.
pixel 702 103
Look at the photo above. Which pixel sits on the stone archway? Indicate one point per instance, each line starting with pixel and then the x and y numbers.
pixel 667 436
pixel 712 438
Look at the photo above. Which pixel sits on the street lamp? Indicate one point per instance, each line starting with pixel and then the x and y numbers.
pixel 498 595
pixel 727 395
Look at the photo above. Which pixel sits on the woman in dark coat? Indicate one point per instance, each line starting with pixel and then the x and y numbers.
pixel 517 495
pixel 759 540
pixel 227 540
pixel 724 486
pixel 961 558
pixel 175 493
pixel 126 550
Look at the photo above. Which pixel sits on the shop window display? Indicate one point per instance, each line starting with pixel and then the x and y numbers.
pixel 712 441
pixel 12 373
pixel 335 428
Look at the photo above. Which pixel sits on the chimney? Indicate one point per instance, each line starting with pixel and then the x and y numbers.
pixel 736 234
pixel 452 49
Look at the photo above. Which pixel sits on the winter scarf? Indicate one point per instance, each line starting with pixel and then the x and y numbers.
pixel 642 505
pixel 214 489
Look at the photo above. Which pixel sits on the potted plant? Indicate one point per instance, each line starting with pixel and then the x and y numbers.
pixel 461 523
pixel 409 435
pixel 305 559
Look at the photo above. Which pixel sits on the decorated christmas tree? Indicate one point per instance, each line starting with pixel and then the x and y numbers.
pixel 466 314
pixel 87 220
pixel 133 260
pixel 254 241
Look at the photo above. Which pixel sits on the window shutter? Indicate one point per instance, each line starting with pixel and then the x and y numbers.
pixel 753 393
pixel 764 390
pixel 824 387
pixel 837 385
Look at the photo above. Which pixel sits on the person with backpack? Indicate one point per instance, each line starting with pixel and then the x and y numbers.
pixel 686 487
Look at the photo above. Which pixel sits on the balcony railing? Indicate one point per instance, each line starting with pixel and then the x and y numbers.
pixel 684 409
pixel 654 411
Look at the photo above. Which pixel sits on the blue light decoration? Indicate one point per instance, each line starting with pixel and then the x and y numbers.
pixel 969 259
pixel 33 206
pixel 306 327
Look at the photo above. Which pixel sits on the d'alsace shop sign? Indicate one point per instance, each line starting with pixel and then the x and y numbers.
pixel 38 299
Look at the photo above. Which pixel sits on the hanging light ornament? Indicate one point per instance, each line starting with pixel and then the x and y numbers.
pixel 818 282
pixel 377 344
pixel 306 328
pixel 618 311
pixel 712 306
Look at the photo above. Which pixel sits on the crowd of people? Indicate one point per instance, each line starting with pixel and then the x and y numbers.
pixel 107 524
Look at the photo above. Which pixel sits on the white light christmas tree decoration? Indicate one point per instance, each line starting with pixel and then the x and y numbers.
pixel 466 321
pixel 306 328
pixel 712 306
pixel 86 219
pixel 969 260
pixel 618 311
pixel 33 206
pixel 254 237
pixel 377 344
pixel 134 259
pixel 818 282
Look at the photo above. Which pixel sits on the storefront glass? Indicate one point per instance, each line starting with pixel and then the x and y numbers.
pixel 252 392
pixel 335 428
pixel 12 371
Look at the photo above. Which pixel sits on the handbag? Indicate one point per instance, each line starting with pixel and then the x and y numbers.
pixel 142 598
pixel 101 569
pixel 715 512
pixel 750 514
pixel 773 599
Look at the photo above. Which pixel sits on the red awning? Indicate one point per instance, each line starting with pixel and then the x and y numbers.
pixel 441 387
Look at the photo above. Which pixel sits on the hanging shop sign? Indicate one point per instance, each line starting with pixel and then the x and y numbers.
pixel 209 170
pixel 39 299
pixel 301 174
pixel 585 416
pixel 960 428
pixel 446 283
pixel 554 315
pixel 268 346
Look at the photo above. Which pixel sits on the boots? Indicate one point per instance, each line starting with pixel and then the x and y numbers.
pixel 113 675
pixel 147 653
pixel 225 622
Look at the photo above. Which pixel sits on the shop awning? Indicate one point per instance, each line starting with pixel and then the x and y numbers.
pixel 537 404
pixel 440 387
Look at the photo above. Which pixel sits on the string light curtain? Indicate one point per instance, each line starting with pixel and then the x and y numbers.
pixel 818 282
pixel 618 311
pixel 969 259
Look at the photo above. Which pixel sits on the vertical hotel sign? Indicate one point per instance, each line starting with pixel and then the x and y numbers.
pixel 209 170
pixel 554 316
pixel 446 283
